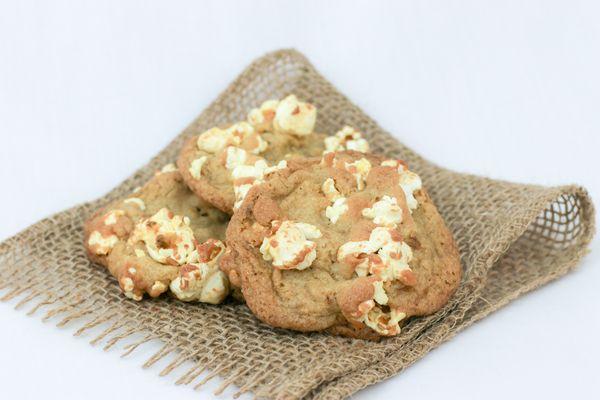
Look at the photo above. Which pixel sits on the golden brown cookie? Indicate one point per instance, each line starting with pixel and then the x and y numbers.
pixel 221 164
pixel 162 237
pixel 349 243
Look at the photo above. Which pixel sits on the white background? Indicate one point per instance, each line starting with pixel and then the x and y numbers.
pixel 509 89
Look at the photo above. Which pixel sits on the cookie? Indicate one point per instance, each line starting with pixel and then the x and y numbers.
pixel 161 238
pixel 349 243
pixel 221 164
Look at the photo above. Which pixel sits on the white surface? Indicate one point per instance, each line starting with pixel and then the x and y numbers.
pixel 509 89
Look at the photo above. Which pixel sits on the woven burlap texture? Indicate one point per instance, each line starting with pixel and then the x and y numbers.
pixel 512 238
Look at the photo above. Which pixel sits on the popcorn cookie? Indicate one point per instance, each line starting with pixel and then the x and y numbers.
pixel 222 164
pixel 161 238
pixel 349 243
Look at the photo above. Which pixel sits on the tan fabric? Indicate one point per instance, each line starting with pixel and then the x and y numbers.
pixel 512 238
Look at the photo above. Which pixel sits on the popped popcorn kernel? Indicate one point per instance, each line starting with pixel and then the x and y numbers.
pixel 167 168
pixel 196 167
pixel 294 117
pixel 136 201
pixel 111 217
pixel 385 212
pixel 203 280
pixel 241 134
pixel 383 255
pixel 168 238
pixel 409 182
pixel 330 191
pixel 336 210
pixel 262 118
pixel 101 245
pixel 347 139
pixel 289 246
pixel 360 169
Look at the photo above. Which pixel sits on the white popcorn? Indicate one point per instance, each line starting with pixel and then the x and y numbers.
pixel 360 169
pixel 196 167
pixel 336 210
pixel 241 191
pixel 112 216
pixel 167 168
pixel 137 201
pixel 409 182
pixel 278 167
pixel 101 245
pixel 386 324
pixel 346 139
pixel 249 175
pixel 168 238
pixel 213 140
pixel 262 118
pixel 158 287
pixel 385 212
pixel 203 281
pixel 289 247
pixel 256 173
pixel 235 157
pixel 294 117
pixel 330 191
pixel 380 296
pixel 216 139
pixel 386 258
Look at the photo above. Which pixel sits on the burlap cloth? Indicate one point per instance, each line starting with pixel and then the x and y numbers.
pixel 512 239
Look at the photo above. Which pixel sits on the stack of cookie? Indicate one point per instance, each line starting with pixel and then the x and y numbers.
pixel 312 231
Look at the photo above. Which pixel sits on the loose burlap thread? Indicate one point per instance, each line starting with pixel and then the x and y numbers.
pixel 512 238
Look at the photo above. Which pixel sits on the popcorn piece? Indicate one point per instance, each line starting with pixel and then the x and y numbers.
pixel 336 210
pixel 379 295
pixel 127 285
pixel 280 165
pixel 288 247
pixel 360 169
pixel 167 168
pixel 168 238
pixel 294 117
pixel 347 139
pixel 241 191
pixel 409 182
pixel 383 255
pixel 214 140
pixel 101 245
pixel 246 176
pixel 137 201
pixel 241 134
pixel 203 281
pixel 386 324
pixel 139 253
pixel 157 289
pixel 235 157
pixel 262 118
pixel 330 190
pixel 112 216
pixel 196 167
pixel 385 212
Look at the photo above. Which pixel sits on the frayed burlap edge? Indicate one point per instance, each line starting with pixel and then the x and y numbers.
pixel 512 238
